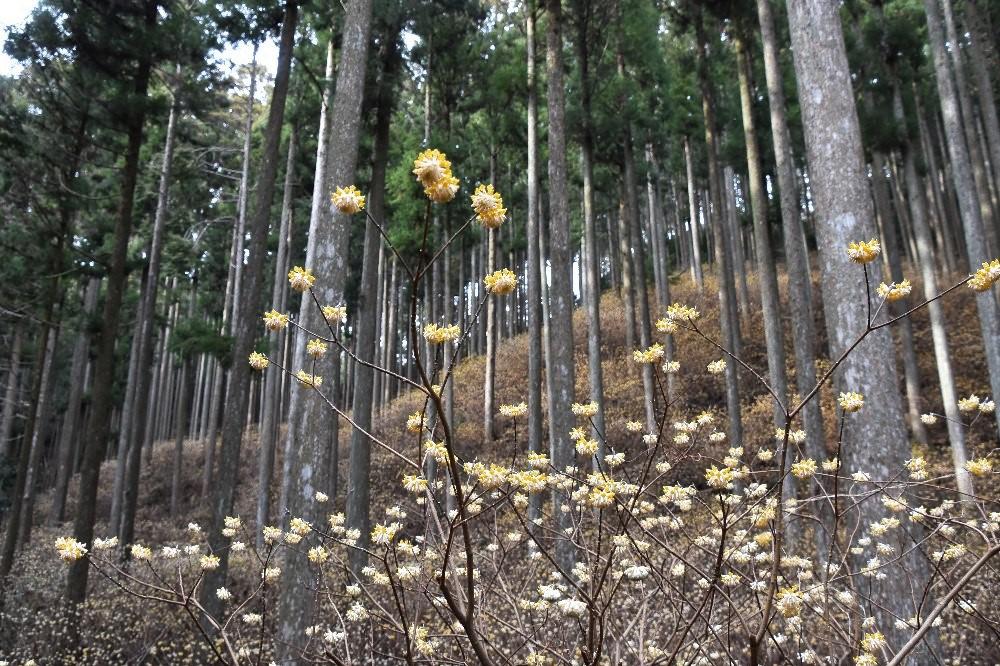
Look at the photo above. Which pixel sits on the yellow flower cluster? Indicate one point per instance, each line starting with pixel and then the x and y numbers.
pixel 666 325
pixel 865 251
pixel 348 200
pixel 414 484
pixel 804 468
pixel 719 478
pixel 301 279
pixel 520 409
pixel 382 535
pixel 308 380
pixel 275 321
pixel 316 348
pixel 586 447
pixel 501 282
pixel 986 276
pixel 334 313
pixel 851 402
pixel 894 292
pixel 651 354
pixel 488 205
pixel 585 410
pixel 433 170
pixel 437 335
pixel 979 467
pixel 69 549
pixel 415 422
pixel 258 361
pixel 678 312
pixel 717 367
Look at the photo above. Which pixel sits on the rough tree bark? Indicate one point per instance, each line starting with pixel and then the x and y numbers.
pixel 246 317
pixel 972 222
pixel 875 438
pixel 71 419
pixel 99 420
pixel 560 360
pixel 796 256
pixel 147 308
pixel 728 319
pixel 309 418
pixel 534 277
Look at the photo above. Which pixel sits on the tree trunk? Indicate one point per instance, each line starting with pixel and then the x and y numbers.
pixel 39 436
pixel 972 223
pixel 96 433
pixel 875 438
pixel 534 277
pixel 774 338
pixel 800 299
pixel 728 320
pixel 560 361
pixel 489 380
pixel 591 267
pixel 696 271
pixel 16 509
pixel 969 123
pixel 147 309
pixel 939 335
pixel 246 316
pixel 10 393
pixel 74 404
pixel 310 420
pixel 270 412
pixel 183 413
pixel 904 329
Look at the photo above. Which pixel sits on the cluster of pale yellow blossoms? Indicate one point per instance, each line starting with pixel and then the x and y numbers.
pixel 895 291
pixel 519 409
pixel 258 361
pixel 851 402
pixel 652 354
pixel 501 282
pixel 438 335
pixel 334 314
pixel 488 205
pixel 348 200
pixel 301 279
pixel 309 380
pixel 275 321
pixel 864 252
pixel 433 171
pixel 987 275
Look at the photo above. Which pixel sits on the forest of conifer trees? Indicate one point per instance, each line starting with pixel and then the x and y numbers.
pixel 595 332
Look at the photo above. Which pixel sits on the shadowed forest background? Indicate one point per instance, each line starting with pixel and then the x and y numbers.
pixel 538 332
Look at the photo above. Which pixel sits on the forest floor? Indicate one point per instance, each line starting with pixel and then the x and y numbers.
pixel 31 619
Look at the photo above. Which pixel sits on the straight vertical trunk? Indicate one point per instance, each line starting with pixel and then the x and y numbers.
pixel 560 361
pixel 972 222
pixel 310 421
pixel 96 433
pixel 10 393
pixel 71 419
pixel 270 416
pixel 591 264
pixel 246 316
pixel 926 262
pixel 727 316
pixel 875 438
pixel 147 308
pixel 39 436
pixel 534 277
pixel 696 271
pixel 800 301
pixel 770 302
